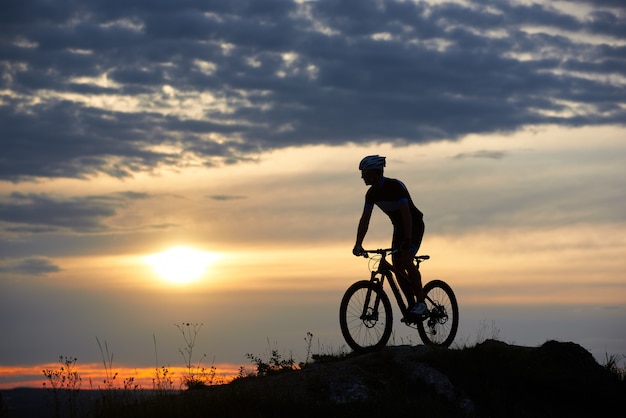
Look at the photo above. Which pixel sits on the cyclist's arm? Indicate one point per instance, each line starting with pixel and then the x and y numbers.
pixel 363 226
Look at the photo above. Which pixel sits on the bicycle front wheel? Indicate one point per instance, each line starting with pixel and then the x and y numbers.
pixel 365 316
pixel 442 322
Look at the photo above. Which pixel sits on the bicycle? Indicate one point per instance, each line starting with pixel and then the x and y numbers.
pixel 366 317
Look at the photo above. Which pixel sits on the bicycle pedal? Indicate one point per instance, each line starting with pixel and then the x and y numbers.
pixel 412 318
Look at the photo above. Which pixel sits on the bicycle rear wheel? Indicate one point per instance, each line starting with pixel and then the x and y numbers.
pixel 365 316
pixel 442 322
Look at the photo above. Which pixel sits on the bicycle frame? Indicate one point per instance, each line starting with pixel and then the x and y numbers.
pixel 387 270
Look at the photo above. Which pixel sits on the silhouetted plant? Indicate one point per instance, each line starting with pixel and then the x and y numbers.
pixel 276 363
pixel 322 354
pixel 309 343
pixel 111 392
pixel 484 332
pixel 64 380
pixel 197 376
pixel 612 364
pixel 162 383
pixel 107 361
pixel 242 373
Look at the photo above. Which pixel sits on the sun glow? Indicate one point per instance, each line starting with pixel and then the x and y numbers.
pixel 180 265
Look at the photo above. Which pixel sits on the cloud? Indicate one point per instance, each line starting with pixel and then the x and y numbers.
pixel 32 266
pixel 489 154
pixel 38 213
pixel 117 88
pixel 226 197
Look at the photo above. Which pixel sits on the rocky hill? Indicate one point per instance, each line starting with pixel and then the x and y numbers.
pixel 491 379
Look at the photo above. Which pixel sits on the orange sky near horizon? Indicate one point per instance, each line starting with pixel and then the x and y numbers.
pixel 93 375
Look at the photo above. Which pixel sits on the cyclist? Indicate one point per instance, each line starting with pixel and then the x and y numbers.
pixel 393 198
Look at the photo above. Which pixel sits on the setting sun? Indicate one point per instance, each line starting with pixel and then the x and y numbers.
pixel 180 264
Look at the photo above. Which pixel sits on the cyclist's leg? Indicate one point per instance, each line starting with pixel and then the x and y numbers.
pixel 413 273
pixel 409 292
pixel 397 261
pixel 418 234
pixel 403 261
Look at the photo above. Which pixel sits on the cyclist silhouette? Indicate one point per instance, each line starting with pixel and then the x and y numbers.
pixel 393 198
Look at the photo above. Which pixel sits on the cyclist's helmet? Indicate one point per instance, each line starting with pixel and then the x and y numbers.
pixel 372 162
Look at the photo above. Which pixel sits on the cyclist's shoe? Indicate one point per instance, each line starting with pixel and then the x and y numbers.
pixel 418 309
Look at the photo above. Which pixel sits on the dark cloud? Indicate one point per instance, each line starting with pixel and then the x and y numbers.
pixel 33 266
pixel 108 86
pixel 39 213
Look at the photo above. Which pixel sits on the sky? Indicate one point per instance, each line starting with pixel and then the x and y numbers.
pixel 234 129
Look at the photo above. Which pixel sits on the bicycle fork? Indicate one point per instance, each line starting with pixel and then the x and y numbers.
pixel 372 314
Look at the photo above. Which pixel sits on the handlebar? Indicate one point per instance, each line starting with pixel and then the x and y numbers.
pixel 380 251
pixel 385 251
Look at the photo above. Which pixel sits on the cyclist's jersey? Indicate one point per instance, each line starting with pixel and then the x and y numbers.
pixel 388 196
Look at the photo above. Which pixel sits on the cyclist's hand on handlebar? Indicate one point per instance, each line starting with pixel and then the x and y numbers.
pixel 358 251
